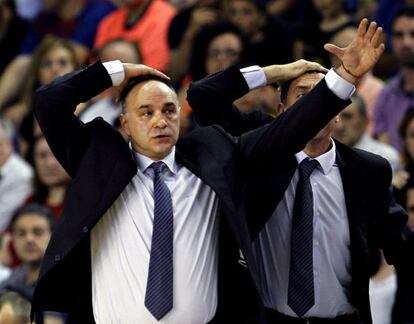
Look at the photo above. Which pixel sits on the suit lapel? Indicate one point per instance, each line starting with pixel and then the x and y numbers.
pixel 355 204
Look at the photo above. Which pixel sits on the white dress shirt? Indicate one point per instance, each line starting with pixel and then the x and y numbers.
pixel 331 244
pixel 16 186
pixel 121 244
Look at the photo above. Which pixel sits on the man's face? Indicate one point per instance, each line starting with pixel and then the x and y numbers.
pixel 152 119
pixel 49 170
pixel 56 62
pixel 5 148
pixel 300 87
pixel 351 125
pixel 410 207
pixel 31 236
pixel 403 40
pixel 245 15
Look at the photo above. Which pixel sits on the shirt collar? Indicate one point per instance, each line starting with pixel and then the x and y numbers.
pixel 143 162
pixel 326 160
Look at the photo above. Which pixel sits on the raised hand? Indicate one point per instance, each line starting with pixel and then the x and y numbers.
pixel 362 53
pixel 134 70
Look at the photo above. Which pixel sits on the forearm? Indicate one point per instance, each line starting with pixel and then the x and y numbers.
pixel 13 79
pixel 54 107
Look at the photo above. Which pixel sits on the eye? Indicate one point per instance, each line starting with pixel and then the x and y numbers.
pixel 147 113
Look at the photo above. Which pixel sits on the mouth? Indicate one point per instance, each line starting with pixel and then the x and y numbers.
pixel 162 136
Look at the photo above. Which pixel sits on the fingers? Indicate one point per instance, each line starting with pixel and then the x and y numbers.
pixel 134 70
pixel 362 28
pixel 379 50
pixel 377 37
pixel 335 50
pixel 371 31
pixel 313 66
pixel 159 74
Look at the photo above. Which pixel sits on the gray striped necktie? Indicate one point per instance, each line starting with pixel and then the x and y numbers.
pixel 159 292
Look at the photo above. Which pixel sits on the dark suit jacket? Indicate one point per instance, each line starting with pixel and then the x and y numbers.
pixel 374 218
pixel 101 165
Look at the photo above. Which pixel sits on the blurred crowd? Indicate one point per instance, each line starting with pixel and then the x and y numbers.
pixel 41 40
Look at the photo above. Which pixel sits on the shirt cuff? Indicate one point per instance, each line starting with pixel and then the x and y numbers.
pixel 338 85
pixel 116 71
pixel 254 76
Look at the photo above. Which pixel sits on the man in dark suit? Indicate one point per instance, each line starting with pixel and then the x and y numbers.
pixel 345 210
pixel 100 261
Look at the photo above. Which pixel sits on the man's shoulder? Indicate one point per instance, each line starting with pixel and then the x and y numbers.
pixel 18 167
pixel 361 157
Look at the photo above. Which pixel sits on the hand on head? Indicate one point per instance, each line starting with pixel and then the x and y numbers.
pixel 134 70
pixel 361 54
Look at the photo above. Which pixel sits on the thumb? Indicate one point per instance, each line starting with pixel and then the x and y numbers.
pixel 335 50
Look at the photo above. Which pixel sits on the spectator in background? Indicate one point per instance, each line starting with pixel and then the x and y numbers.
pixel 216 47
pixel 370 86
pixel 182 32
pixel 31 228
pixel 398 95
pixel 268 41
pixel 75 20
pixel 12 31
pixel 143 21
pixel 51 180
pixel 52 58
pixel 333 18
pixel 14 309
pixel 403 307
pixel 105 104
pixel 351 130
pixel 15 176
pixel 406 133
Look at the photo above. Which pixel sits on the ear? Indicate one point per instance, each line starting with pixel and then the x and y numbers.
pixel 124 124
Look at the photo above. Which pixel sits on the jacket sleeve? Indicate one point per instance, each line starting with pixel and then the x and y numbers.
pixel 290 131
pixel 54 106
pixel 211 100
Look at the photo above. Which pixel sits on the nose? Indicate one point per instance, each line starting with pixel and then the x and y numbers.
pixel 159 120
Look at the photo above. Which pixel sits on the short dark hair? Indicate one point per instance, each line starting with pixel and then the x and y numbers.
pixel 402 12
pixel 137 80
pixel 38 209
pixel 284 87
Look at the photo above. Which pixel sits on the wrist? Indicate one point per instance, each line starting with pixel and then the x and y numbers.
pixel 347 75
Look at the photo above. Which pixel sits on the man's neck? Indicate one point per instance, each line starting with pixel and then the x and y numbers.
pixel 317 147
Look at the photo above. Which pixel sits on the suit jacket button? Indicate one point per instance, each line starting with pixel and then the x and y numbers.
pixel 85 229
pixel 57 258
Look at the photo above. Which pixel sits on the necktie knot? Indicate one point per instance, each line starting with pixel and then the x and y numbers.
pixel 157 167
pixel 306 167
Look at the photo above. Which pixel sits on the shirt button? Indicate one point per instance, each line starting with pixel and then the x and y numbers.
pixel 316 243
pixel 315 184
pixel 85 229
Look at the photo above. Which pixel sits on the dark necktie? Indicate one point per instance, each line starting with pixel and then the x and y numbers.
pixel 301 296
pixel 159 292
